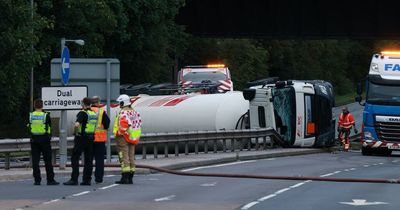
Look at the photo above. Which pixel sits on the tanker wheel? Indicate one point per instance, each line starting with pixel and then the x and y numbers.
pixel 366 151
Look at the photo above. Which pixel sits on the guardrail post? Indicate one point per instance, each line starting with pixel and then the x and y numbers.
pixel 233 142
pixel 215 146
pixel 257 144
pixel 176 149
pixel 155 151
pixel 186 148
pixel 241 144
pixel 144 152
pixel 205 146
pixel 224 145
pixel 249 145
pixel 196 147
pixel 264 142
pixel 166 149
pixel 7 161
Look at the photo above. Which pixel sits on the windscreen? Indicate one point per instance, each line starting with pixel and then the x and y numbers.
pixel 383 94
pixel 285 112
pixel 198 77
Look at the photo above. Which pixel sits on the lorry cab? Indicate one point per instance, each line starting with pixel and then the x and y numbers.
pixel 381 115
pixel 300 111
pixel 217 75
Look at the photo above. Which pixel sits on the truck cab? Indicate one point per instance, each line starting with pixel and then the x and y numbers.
pixel 300 111
pixel 205 76
pixel 381 116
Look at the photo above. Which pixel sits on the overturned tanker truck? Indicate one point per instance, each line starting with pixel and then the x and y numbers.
pixel 300 111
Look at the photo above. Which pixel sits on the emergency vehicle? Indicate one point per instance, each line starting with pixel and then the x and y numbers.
pixel 206 76
pixel 300 111
pixel 380 132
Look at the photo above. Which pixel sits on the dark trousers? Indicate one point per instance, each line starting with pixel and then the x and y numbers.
pixel 99 149
pixel 41 145
pixel 344 135
pixel 82 144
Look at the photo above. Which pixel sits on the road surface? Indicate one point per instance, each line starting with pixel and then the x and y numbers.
pixel 164 191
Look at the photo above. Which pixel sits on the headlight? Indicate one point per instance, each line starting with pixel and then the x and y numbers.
pixel 374 67
pixel 368 136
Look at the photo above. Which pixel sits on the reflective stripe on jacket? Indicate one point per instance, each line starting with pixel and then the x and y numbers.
pixel 37 122
pixel 346 121
pixel 91 122
pixel 100 134
pixel 129 125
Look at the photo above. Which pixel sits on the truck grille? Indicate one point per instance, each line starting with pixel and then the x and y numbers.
pixel 388 131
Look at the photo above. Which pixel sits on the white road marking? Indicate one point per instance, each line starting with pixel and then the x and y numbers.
pixel 167 198
pixel 52 201
pixel 352 169
pixel 395 161
pixel 282 190
pixel 325 175
pixel 109 175
pixel 346 170
pixel 249 205
pixel 380 163
pixel 220 165
pixel 266 197
pixel 360 202
pixel 81 193
pixel 297 185
pixel 375 164
pixel 209 184
pixel 109 186
pixel 153 179
pixel 366 165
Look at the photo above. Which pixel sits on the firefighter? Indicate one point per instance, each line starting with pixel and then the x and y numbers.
pixel 127 130
pixel 83 142
pixel 40 129
pixel 346 121
pixel 100 137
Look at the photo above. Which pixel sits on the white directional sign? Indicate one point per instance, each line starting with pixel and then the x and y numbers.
pixel 63 97
pixel 360 202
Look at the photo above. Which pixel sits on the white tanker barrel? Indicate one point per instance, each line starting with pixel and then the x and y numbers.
pixel 176 113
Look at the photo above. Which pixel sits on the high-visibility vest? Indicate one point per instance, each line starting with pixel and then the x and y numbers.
pixel 91 122
pixel 128 125
pixel 346 121
pixel 100 134
pixel 37 121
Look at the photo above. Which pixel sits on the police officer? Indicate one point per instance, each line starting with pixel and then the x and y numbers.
pixel 84 136
pixel 127 130
pixel 100 137
pixel 40 129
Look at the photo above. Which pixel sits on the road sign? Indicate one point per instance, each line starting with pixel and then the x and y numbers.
pixel 63 97
pixel 360 202
pixel 65 66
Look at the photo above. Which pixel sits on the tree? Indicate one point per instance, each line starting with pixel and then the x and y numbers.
pixel 16 60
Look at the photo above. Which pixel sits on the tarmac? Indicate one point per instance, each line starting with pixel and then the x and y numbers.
pixel 172 162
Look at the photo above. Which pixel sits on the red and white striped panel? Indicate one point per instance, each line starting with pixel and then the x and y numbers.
pixel 225 85
pixel 186 83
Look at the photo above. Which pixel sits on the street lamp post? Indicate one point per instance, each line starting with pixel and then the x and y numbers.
pixel 63 126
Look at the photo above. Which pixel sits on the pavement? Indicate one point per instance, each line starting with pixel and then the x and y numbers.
pixel 172 162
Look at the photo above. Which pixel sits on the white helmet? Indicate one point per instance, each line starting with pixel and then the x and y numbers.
pixel 124 100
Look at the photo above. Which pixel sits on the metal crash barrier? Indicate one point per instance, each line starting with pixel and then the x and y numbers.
pixel 192 142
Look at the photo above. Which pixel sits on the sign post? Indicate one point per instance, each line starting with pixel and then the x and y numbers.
pixel 63 125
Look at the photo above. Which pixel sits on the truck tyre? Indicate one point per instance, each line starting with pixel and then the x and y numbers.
pixel 386 152
pixel 366 151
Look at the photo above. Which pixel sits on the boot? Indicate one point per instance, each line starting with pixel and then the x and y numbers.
pixel 124 179
pixel 131 174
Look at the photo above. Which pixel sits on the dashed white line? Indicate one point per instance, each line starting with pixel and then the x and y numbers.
pixel 366 165
pixel 267 197
pixel 380 163
pixel 209 184
pixel 52 201
pixel 81 193
pixel 352 169
pixel 109 175
pixel 220 165
pixel 109 186
pixel 325 175
pixel 249 205
pixel 167 198
pixel 282 190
